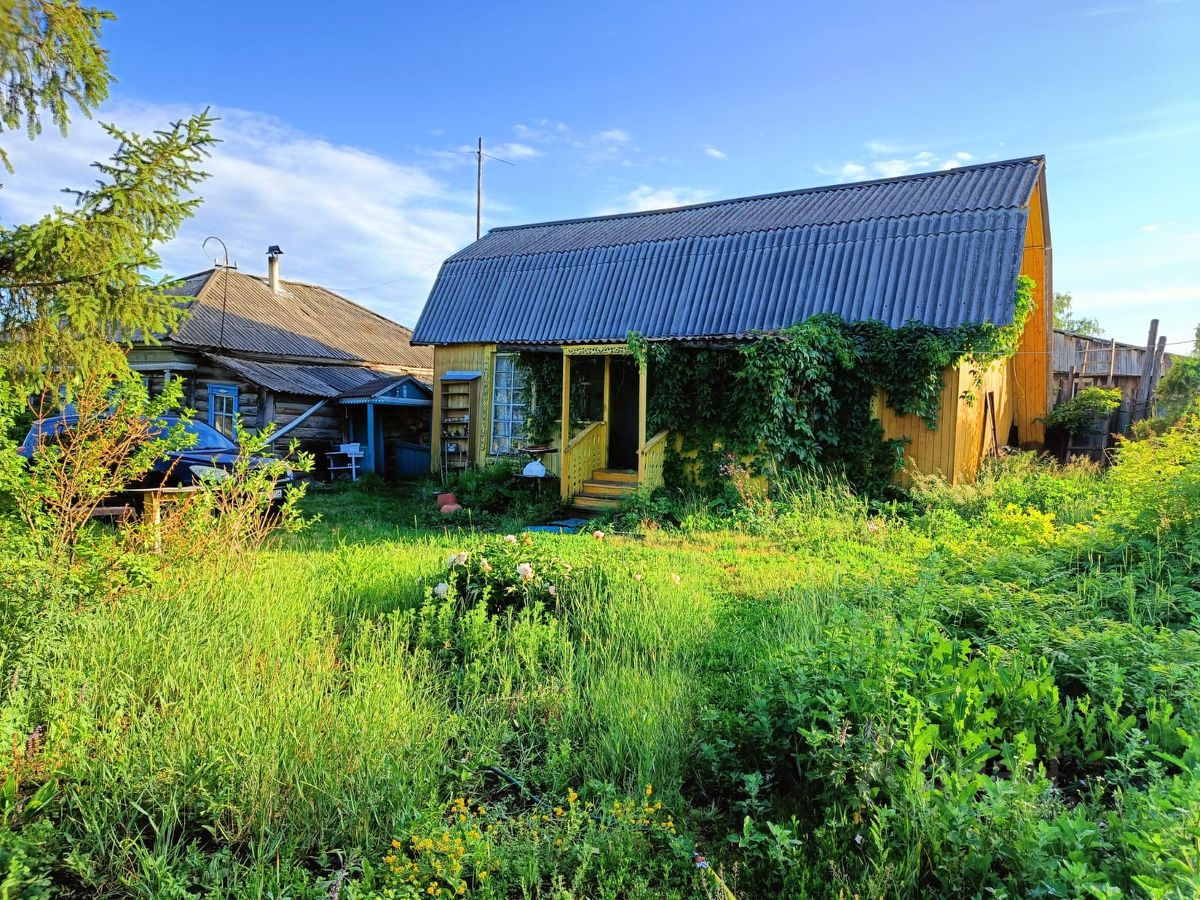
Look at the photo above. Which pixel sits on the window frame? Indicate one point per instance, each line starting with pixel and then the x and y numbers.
pixel 224 389
pixel 516 437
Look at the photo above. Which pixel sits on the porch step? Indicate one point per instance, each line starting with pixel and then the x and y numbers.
pixel 628 476
pixel 604 488
pixel 595 502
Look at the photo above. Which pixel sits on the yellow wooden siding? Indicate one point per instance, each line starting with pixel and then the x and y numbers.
pixel 928 450
pixel 476 358
pixel 1031 372
pixel 469 357
pixel 973 427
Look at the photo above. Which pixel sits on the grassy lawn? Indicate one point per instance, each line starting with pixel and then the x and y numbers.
pixel 992 689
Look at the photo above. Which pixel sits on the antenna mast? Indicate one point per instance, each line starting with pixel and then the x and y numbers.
pixel 479 190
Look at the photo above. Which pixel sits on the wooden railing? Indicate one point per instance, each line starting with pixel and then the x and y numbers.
pixel 650 462
pixel 584 454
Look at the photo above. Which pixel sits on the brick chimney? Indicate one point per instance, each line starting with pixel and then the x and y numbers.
pixel 273 254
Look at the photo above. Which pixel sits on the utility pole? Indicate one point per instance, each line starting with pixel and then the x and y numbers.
pixel 479 155
pixel 479 190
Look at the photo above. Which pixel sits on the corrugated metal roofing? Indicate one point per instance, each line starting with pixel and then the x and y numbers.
pixel 305 380
pixel 942 248
pixel 301 320
pixel 371 388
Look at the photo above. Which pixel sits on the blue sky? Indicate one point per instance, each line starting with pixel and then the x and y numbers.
pixel 344 125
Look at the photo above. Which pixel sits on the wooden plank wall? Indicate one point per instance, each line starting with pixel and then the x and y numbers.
pixel 973 427
pixel 470 357
pixel 931 451
pixel 1033 362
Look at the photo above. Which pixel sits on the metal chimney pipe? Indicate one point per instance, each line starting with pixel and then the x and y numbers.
pixel 273 254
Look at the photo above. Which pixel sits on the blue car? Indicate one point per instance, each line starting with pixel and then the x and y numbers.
pixel 211 456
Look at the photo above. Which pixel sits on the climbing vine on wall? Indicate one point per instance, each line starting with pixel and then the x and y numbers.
pixel 802 397
pixel 543 385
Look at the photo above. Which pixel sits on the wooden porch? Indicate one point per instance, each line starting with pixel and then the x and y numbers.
pixel 587 479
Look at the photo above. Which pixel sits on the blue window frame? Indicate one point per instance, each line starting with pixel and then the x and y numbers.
pixel 223 408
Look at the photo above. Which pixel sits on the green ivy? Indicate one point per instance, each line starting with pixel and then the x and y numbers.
pixel 543 381
pixel 802 397
pixel 1077 415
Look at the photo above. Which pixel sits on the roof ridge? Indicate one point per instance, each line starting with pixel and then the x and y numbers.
pixel 633 241
pixel 333 293
pixel 1040 159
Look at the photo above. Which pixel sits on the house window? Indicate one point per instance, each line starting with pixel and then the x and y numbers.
pixel 509 405
pixel 223 408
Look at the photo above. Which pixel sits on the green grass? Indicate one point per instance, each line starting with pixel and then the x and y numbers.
pixel 996 692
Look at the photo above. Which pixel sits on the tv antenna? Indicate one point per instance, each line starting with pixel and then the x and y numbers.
pixel 224 281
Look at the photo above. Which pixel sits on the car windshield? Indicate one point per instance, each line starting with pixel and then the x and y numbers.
pixel 206 438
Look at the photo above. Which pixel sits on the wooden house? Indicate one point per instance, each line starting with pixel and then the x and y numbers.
pixel 942 248
pixel 326 371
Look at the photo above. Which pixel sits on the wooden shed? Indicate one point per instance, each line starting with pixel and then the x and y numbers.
pixel 941 248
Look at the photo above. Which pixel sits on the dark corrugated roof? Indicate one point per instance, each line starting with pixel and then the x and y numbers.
pixel 305 380
pixel 371 388
pixel 300 320
pixel 942 248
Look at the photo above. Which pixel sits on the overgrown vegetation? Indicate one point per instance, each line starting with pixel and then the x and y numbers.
pixel 1091 406
pixel 988 691
pixel 802 399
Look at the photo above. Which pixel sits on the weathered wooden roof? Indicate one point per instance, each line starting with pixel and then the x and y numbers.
pixel 300 321
pixel 942 248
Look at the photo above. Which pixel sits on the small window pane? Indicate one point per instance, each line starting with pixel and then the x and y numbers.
pixel 508 405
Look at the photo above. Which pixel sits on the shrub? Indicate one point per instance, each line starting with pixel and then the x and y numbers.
pixel 1077 415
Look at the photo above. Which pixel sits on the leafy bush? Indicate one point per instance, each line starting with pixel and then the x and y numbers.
pixel 1077 415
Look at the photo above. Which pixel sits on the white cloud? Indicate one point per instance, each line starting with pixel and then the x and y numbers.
pixel 892 168
pixel 714 152
pixel 896 162
pixel 512 150
pixel 607 145
pixel 1152 226
pixel 644 197
pixel 346 218
pixel 883 147
pixel 614 136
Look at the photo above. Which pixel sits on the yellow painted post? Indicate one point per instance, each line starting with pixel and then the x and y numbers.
pixel 566 425
pixel 607 424
pixel 643 390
